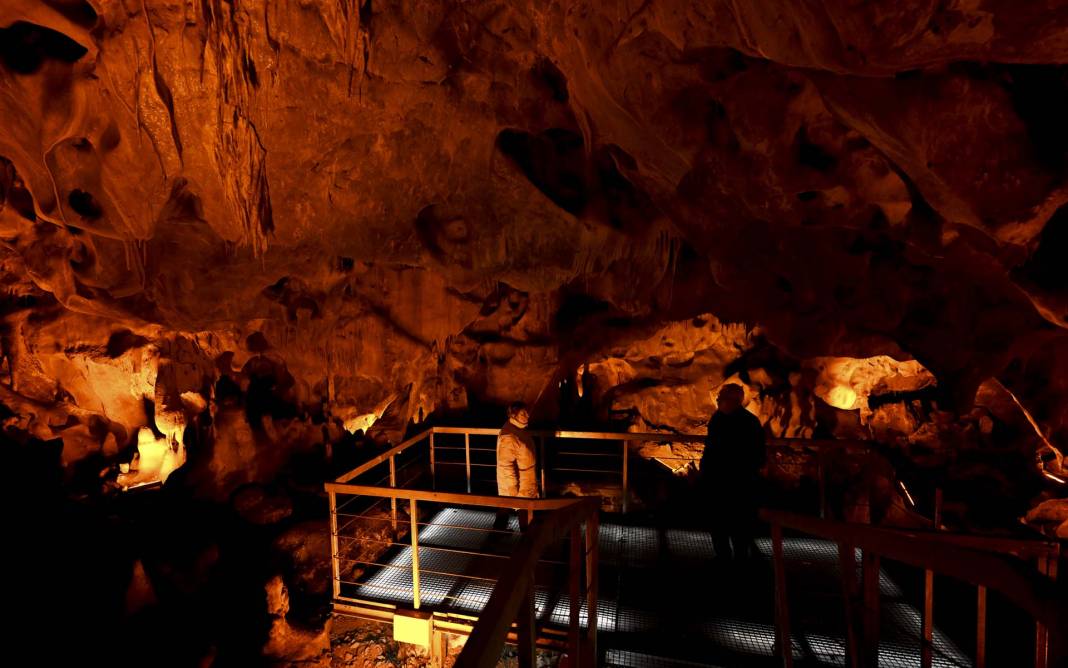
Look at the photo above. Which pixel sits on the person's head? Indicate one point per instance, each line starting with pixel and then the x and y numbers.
pixel 519 414
pixel 730 398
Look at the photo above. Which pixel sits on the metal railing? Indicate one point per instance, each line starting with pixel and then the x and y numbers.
pixel 607 456
pixel 992 563
pixel 407 532
pixel 399 544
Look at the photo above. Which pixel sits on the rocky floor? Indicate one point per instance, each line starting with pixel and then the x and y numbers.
pixel 356 643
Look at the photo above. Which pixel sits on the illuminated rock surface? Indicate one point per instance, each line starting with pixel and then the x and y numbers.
pixel 279 225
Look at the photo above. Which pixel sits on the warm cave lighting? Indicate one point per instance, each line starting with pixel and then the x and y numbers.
pixel 843 397
pixel 285 286
pixel 156 459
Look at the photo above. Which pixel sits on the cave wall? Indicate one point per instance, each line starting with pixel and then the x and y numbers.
pixel 429 208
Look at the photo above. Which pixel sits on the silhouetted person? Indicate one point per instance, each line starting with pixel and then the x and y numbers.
pixel 730 473
pixel 516 475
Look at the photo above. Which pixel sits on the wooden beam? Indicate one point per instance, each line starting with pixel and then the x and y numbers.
pixel 519 502
pixel 484 646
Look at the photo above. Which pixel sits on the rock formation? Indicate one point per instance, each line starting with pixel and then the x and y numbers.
pixel 247 232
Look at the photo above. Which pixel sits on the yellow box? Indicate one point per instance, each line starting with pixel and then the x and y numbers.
pixel 413 626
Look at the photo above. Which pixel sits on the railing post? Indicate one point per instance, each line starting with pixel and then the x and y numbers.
pixel 437 649
pixel 413 511
pixel 433 464
pixel 527 632
pixel 870 565
pixel 1054 644
pixel 541 463
pixel 592 532
pixel 393 500
pixel 782 613
pixel 821 474
pixel 467 459
pixel 1041 632
pixel 575 592
pixel 847 564
pixel 980 629
pixel 927 641
pixel 335 554
pixel 626 461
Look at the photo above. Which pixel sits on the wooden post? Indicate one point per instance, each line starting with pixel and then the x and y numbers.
pixel 980 629
pixel 926 655
pixel 574 638
pixel 467 459
pixel 437 649
pixel 626 461
pixel 847 563
pixel 334 550
pixel 1055 645
pixel 526 631
pixel 822 482
pixel 926 642
pixel 433 465
pixel 541 463
pixel 1041 633
pixel 393 500
pixel 592 531
pixel 871 567
pixel 412 509
pixel 782 614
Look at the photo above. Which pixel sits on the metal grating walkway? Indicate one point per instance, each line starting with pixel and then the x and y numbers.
pixel 661 600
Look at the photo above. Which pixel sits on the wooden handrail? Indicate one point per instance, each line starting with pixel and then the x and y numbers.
pixel 483 647
pixel 517 502
pixel 947 554
pixel 375 461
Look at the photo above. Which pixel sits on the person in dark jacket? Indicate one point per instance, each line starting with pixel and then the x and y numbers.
pixel 734 454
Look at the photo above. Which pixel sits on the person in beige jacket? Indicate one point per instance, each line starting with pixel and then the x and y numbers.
pixel 516 474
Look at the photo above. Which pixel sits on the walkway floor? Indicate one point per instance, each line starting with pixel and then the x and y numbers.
pixel 661 601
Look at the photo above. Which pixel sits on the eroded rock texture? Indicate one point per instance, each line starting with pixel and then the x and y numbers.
pixel 233 231
pixel 424 206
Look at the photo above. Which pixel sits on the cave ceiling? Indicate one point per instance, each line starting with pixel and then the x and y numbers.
pixel 392 191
